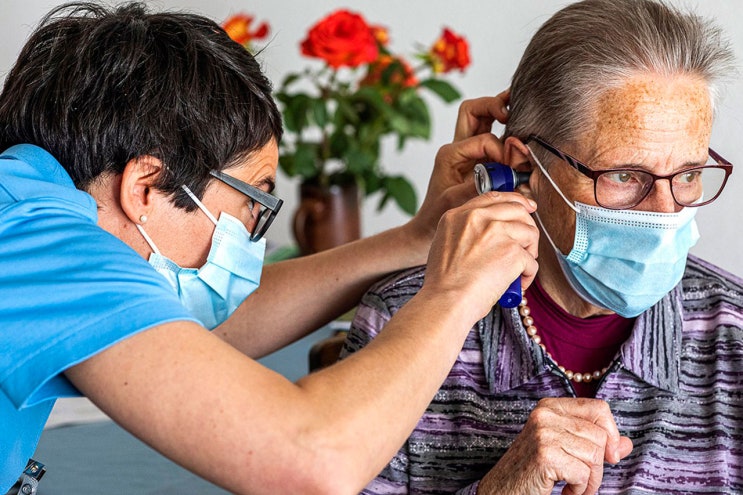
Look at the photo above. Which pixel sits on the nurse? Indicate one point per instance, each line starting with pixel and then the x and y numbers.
pixel 139 153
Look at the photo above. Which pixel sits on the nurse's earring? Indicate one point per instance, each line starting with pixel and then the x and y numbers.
pixel 142 219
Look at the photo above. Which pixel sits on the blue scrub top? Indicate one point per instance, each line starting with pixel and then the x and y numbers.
pixel 68 290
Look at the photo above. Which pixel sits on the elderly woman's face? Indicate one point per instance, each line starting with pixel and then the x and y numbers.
pixel 651 122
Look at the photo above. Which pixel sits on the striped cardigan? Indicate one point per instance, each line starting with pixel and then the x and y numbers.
pixel 675 388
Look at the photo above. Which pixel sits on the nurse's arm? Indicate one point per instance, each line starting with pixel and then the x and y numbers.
pixel 208 407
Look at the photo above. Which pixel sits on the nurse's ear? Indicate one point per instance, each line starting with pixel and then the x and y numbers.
pixel 137 194
pixel 517 156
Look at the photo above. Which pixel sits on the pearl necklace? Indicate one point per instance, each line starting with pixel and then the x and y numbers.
pixel 531 330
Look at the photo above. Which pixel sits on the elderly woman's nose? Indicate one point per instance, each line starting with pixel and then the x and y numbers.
pixel 660 199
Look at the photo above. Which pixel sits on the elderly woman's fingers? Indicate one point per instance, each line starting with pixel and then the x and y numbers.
pixel 564 439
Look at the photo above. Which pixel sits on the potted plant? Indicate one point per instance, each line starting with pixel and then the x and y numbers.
pixel 338 112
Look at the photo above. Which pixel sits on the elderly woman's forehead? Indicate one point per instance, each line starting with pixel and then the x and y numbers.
pixel 652 104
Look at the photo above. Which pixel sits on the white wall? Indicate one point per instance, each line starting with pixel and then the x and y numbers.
pixel 497 30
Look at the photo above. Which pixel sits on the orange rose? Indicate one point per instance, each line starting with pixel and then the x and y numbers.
pixel 401 75
pixel 450 52
pixel 341 39
pixel 237 27
pixel 381 34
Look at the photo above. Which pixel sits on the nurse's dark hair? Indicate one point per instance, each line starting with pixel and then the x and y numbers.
pixel 97 87
pixel 591 46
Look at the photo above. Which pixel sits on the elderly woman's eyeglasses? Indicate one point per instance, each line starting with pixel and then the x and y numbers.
pixel 620 188
pixel 268 205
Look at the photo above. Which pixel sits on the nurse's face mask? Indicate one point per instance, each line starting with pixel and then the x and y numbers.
pixel 233 267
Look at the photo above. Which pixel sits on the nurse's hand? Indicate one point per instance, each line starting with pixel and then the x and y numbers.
pixel 452 182
pixel 480 248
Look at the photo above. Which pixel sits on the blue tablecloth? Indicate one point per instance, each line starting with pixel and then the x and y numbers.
pixel 103 459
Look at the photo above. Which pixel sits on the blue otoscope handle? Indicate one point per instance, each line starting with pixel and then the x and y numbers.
pixel 495 176
pixel 512 297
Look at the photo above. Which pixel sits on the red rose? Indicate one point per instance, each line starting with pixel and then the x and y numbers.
pixel 237 27
pixel 450 52
pixel 341 39
pixel 401 75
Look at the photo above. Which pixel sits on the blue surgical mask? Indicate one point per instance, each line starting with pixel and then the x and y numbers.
pixel 625 260
pixel 231 273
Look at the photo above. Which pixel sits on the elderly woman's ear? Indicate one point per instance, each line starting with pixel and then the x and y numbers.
pixel 516 156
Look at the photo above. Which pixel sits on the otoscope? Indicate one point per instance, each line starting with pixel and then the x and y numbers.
pixel 495 176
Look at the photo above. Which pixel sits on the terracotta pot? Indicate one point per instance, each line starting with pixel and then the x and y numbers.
pixel 327 216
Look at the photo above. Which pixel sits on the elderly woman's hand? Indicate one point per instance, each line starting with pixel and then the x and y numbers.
pixel 564 439
pixel 452 182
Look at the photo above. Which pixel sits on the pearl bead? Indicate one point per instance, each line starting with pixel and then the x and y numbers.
pixel 531 330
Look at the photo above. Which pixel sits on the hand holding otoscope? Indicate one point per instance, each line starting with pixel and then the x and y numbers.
pixel 495 176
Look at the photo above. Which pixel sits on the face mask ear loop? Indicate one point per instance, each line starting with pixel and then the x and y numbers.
pixel 147 238
pixel 541 167
pixel 200 204
pixel 546 234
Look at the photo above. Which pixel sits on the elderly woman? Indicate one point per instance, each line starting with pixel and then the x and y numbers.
pixel 625 350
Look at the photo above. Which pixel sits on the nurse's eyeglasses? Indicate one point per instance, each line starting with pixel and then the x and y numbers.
pixel 269 205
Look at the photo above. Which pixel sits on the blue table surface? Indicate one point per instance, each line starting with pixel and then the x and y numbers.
pixel 102 458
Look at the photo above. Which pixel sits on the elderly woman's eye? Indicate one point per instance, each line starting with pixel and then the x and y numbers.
pixel 688 177
pixel 621 177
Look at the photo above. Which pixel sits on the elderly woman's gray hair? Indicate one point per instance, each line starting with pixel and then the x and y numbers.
pixel 594 45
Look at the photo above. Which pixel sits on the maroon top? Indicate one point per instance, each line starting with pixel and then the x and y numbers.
pixel 581 345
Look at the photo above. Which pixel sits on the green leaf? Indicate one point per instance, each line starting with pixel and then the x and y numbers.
pixel 420 118
pixel 339 144
pixel 295 111
pixel 371 96
pixel 345 113
pixel 286 162
pixel 372 182
pixel 290 79
pixel 358 161
pixel 400 124
pixel 443 89
pixel 411 118
pixel 401 190
pixel 319 111
pixel 305 160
